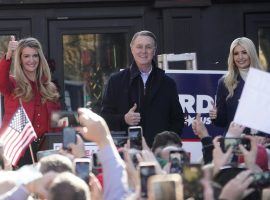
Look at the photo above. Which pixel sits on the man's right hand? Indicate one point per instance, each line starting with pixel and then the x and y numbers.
pixel 133 118
pixel 12 46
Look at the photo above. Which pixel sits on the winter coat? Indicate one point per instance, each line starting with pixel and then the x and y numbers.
pixel 157 103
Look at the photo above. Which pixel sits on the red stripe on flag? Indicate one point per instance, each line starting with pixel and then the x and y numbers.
pixel 11 141
pixel 17 137
pixel 20 142
pixel 21 149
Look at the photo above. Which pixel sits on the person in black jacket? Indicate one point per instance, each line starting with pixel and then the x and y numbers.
pixel 241 58
pixel 142 94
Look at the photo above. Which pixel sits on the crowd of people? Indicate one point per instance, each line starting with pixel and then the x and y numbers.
pixel 120 178
pixel 234 166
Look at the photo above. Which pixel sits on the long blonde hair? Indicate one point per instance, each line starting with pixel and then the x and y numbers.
pixel 230 79
pixel 23 87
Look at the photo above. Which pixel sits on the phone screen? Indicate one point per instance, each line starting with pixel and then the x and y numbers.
pixel 177 159
pixel 226 143
pixel 192 175
pixel 145 173
pixel 69 137
pixel 82 170
pixel 135 137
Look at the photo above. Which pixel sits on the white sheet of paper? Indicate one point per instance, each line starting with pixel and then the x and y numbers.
pixel 253 110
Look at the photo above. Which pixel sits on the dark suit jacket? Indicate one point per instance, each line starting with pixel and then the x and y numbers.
pixel 158 103
pixel 226 108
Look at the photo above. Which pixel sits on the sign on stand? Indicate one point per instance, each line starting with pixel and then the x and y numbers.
pixel 196 89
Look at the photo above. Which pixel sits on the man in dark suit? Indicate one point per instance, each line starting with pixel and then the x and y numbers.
pixel 142 95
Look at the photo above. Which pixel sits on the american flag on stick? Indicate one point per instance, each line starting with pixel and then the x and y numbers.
pixel 17 136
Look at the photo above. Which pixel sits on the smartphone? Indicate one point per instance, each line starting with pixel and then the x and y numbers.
pixel 177 159
pixel 41 154
pixel 165 186
pixel 69 137
pixel 95 160
pixel 146 169
pixel 83 168
pixel 192 175
pixel 135 137
pixel 226 142
pixel 261 180
pixel 64 119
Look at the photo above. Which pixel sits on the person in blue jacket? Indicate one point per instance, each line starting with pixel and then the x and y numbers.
pixel 142 95
pixel 242 57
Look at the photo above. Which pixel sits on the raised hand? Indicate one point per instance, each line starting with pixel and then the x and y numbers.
pixel 94 128
pixel 133 118
pixel 237 188
pixel 220 159
pixel 250 155
pixel 199 128
pixel 12 46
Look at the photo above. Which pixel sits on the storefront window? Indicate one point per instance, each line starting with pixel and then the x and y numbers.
pixel 89 60
pixel 264 46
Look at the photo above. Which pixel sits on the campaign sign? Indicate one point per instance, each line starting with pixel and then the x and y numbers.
pixel 196 89
pixel 90 148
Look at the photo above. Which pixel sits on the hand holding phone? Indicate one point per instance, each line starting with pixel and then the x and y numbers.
pixel 227 142
pixel 135 137
pixel 83 168
pixel 146 170
pixel 178 158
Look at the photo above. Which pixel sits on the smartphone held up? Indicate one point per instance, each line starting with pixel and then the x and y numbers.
pixel 146 170
pixel 83 168
pixel 234 142
pixel 135 134
pixel 178 158
pixel 69 137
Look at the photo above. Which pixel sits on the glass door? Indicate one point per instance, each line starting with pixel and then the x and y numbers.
pixel 85 56
pixel 88 60
pixel 264 45
pixel 258 29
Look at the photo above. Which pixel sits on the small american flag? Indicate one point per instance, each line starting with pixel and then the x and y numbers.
pixel 17 136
